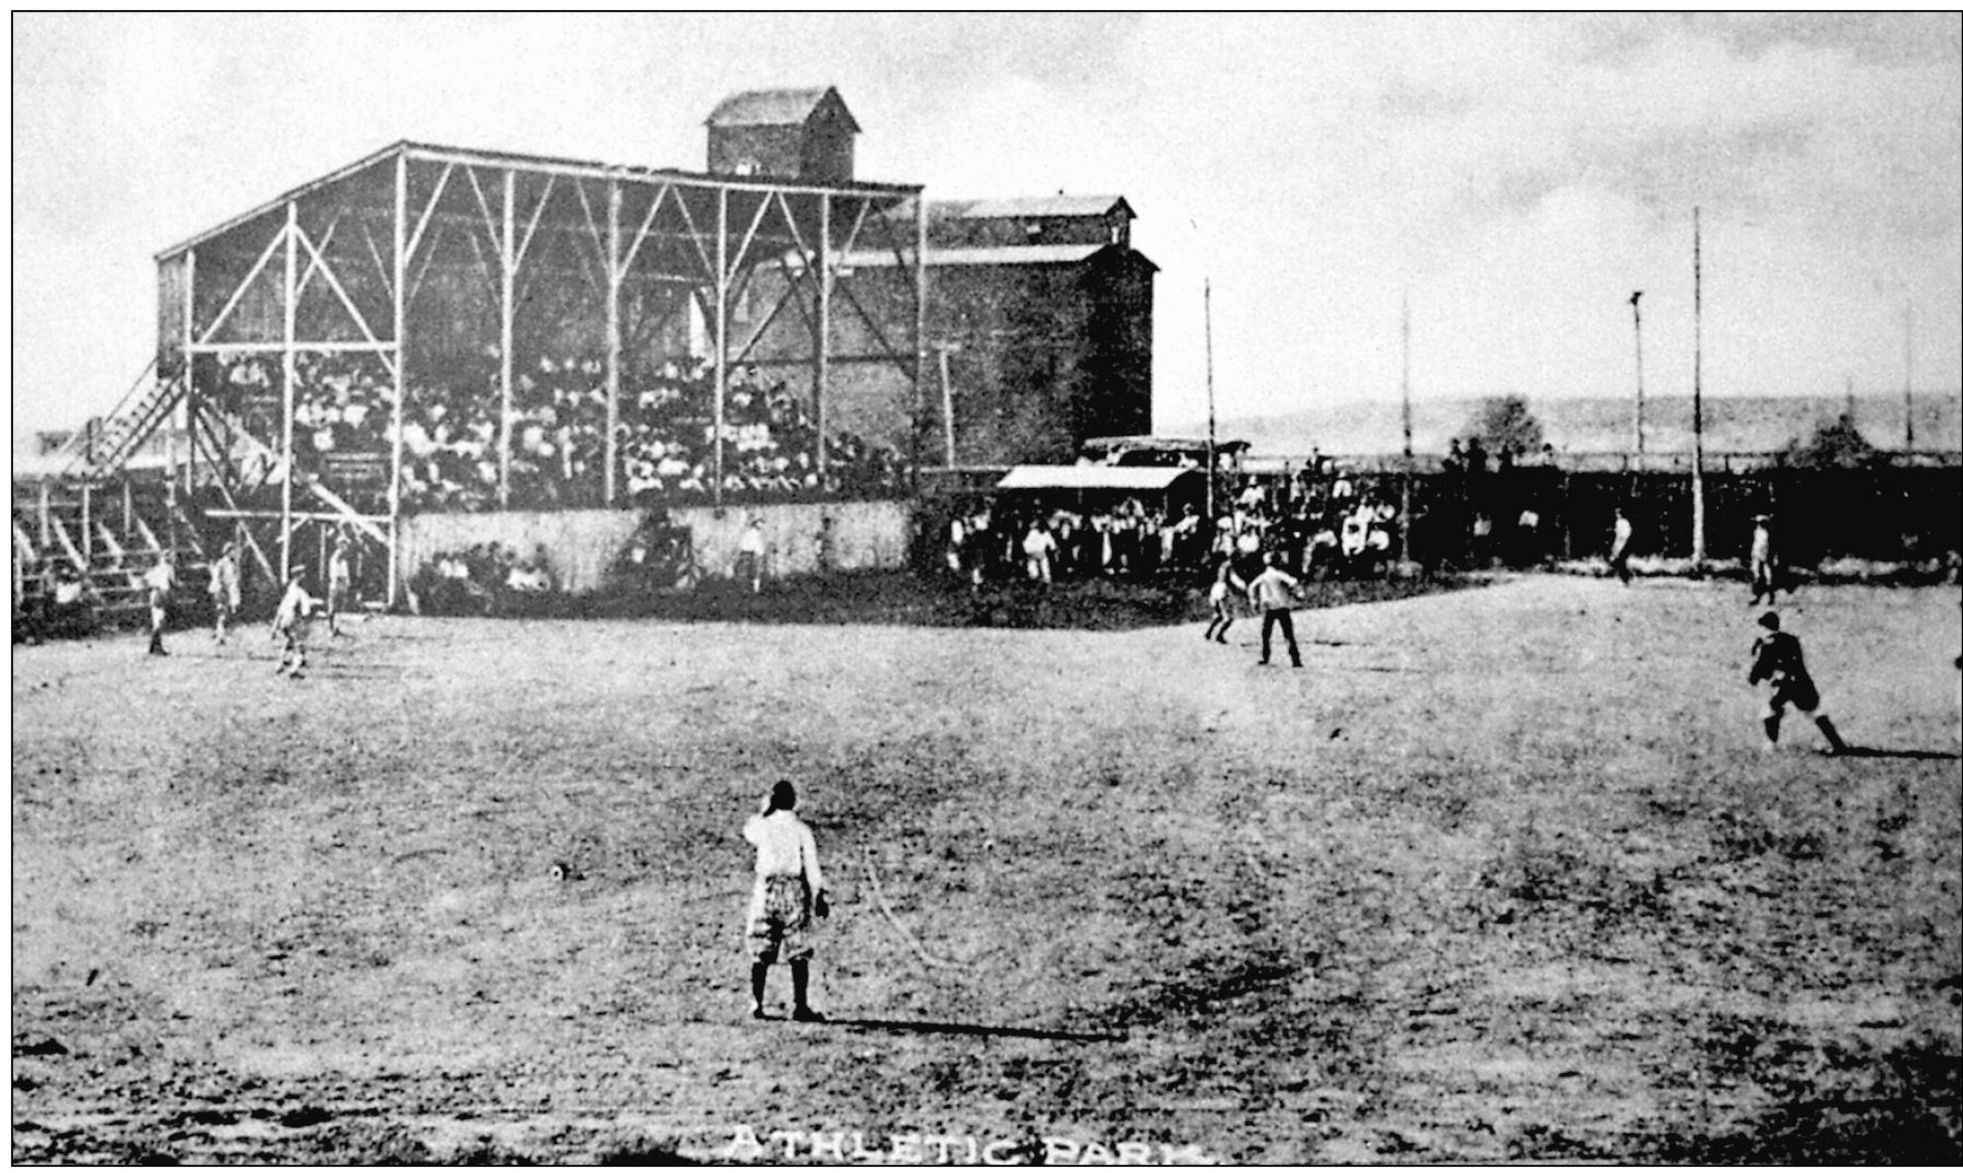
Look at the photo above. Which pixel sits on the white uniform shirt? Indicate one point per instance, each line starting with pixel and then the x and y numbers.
pixel 784 847
pixel 1274 589
pixel 295 604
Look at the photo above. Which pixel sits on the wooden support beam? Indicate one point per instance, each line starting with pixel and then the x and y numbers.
pixel 75 556
pixel 231 303
pixel 507 311
pixel 821 377
pixel 429 209
pixel 721 326
pixel 300 344
pixel 360 319
pixel 289 375
pixel 151 546
pixel 919 324
pixel 615 273
pixel 399 400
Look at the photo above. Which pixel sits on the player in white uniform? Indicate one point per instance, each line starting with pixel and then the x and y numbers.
pixel 790 888
pixel 294 623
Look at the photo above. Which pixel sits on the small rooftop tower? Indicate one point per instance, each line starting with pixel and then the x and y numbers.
pixel 783 134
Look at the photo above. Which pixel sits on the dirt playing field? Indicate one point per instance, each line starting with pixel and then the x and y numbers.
pixel 1501 874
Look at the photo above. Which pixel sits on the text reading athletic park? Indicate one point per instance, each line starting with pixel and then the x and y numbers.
pixel 573 661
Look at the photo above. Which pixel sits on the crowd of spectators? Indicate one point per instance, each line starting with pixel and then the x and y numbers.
pixel 1323 522
pixel 489 578
pixel 666 433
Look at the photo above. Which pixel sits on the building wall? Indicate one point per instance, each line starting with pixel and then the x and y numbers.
pixel 819 150
pixel 1042 357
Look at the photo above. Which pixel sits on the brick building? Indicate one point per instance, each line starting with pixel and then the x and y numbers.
pixel 1039 311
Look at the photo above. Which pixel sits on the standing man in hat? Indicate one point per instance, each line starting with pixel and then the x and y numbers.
pixel 749 555
pixel 340 583
pixel 159 581
pixel 224 589
pixel 1764 568
pixel 1776 659
pixel 293 622
pixel 790 888
pixel 1273 593
pixel 1625 532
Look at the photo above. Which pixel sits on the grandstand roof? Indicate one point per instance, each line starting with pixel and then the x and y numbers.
pixel 1092 476
pixel 542 164
pixel 776 108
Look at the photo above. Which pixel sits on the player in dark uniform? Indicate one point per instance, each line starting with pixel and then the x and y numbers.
pixel 1776 658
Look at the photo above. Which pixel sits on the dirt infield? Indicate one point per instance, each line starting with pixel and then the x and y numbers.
pixel 1501 874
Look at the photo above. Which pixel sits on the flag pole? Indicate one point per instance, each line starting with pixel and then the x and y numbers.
pixel 1212 458
pixel 1404 510
pixel 1697 391
pixel 1635 304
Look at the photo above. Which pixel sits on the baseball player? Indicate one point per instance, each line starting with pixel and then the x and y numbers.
pixel 790 888
pixel 1763 567
pixel 159 581
pixel 749 555
pixel 1226 584
pixel 1625 530
pixel 294 623
pixel 1776 659
pixel 340 583
pixel 1273 593
pixel 224 589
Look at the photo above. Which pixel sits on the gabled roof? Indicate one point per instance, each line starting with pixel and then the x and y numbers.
pixel 1024 206
pixel 777 108
pixel 1024 254
pixel 1159 444
pixel 1092 476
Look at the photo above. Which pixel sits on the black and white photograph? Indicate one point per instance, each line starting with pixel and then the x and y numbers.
pixel 954 588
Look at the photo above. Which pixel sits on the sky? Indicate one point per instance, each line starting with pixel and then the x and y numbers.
pixel 1514 177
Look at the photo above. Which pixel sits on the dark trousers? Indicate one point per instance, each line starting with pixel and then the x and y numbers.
pixel 1282 618
pixel 1620 564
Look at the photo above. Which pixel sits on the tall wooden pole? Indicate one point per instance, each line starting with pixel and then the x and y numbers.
pixel 722 329
pixel 947 403
pixel 289 376
pixel 1636 306
pixel 1212 440
pixel 190 384
pixel 401 407
pixel 1697 390
pixel 919 323
pixel 821 376
pixel 615 279
pixel 1404 509
pixel 507 290
pixel 1908 377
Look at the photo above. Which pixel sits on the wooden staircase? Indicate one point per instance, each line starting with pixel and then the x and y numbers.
pixel 100 453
